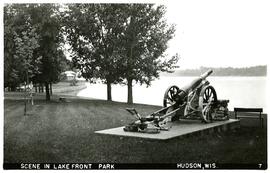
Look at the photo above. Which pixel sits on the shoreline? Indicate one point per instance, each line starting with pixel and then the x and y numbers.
pixel 97 92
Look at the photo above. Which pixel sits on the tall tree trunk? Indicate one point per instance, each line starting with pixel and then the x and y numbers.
pixel 25 97
pixel 26 94
pixel 130 97
pixel 109 91
pixel 51 88
pixel 47 91
pixel 12 88
pixel 36 88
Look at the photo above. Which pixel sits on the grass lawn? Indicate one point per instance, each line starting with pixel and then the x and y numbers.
pixel 64 132
pixel 67 89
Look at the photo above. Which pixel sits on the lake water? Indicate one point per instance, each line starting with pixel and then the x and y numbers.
pixel 241 91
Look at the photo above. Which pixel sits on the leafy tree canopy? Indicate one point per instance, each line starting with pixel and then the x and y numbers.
pixel 33 43
pixel 93 31
pixel 119 43
pixel 145 40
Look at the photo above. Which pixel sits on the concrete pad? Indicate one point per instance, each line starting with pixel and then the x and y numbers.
pixel 179 128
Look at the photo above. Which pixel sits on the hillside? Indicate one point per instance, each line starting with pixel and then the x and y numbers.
pixel 227 71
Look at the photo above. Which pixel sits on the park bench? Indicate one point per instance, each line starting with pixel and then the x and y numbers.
pixel 256 113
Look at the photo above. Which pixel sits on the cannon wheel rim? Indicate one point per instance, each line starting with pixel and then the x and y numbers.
pixel 208 92
pixel 169 95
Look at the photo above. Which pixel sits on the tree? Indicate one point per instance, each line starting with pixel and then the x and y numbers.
pixel 25 44
pixel 144 42
pixel 48 21
pixel 93 31
pixel 21 40
pixel 34 32
pixel 119 43
pixel 11 70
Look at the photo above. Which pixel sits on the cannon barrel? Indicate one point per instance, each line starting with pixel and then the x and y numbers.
pixel 194 84
pixel 206 74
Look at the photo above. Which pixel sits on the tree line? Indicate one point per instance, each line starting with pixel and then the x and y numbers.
pixel 32 45
pixel 260 70
pixel 114 43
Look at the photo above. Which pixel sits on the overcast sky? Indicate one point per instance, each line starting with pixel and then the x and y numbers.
pixel 220 33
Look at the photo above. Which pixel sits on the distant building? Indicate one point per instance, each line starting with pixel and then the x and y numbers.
pixel 68 75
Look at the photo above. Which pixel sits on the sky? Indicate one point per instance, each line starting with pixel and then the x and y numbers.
pixel 217 33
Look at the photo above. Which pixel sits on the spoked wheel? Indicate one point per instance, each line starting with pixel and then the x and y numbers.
pixel 170 95
pixel 208 96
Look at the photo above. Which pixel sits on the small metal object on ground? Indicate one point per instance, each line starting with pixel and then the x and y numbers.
pixel 64 99
pixel 179 129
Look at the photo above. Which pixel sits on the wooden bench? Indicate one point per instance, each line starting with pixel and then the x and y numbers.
pixel 258 114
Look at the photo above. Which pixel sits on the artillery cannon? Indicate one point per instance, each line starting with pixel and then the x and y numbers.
pixel 197 100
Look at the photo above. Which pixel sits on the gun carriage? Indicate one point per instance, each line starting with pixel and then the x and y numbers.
pixel 197 100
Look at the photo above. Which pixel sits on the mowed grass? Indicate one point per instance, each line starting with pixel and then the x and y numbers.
pixel 66 89
pixel 64 132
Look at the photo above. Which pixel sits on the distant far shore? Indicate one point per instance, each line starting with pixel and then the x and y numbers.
pixel 227 71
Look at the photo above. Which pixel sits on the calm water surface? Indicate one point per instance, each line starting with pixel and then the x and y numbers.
pixel 241 91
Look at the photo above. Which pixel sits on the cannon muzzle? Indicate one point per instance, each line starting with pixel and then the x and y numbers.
pixel 206 74
pixel 195 83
